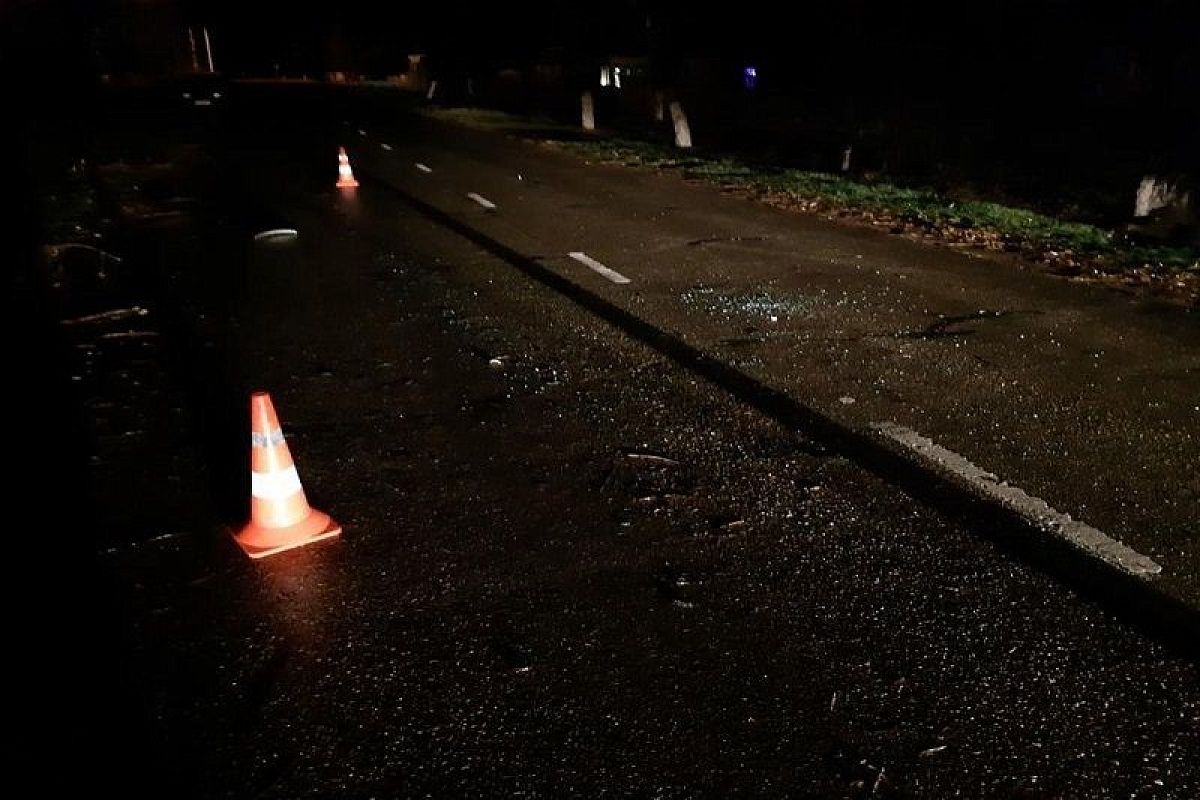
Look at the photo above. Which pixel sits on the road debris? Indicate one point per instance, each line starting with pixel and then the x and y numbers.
pixel 276 233
pixel 652 458
pixel 106 316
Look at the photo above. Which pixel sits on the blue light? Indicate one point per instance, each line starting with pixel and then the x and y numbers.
pixel 750 77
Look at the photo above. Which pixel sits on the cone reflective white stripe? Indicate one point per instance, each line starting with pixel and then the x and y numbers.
pixel 275 485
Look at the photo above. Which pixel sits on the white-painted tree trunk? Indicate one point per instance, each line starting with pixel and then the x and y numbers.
pixel 660 112
pixel 208 50
pixel 683 133
pixel 1154 193
pixel 846 158
pixel 588 116
pixel 192 45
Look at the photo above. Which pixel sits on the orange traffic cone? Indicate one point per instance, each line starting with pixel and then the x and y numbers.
pixel 280 517
pixel 345 174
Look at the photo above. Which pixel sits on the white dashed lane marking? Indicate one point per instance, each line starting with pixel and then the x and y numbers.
pixel 483 201
pixel 596 266
pixel 422 167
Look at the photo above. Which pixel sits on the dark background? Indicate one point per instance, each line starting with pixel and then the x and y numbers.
pixel 1058 104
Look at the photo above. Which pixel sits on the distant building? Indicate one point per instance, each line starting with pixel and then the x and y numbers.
pixel 624 72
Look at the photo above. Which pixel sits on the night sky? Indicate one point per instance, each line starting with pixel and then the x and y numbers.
pixel 1065 43
pixel 1114 70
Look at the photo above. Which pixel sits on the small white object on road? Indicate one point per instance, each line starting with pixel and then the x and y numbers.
pixel 483 201
pixel 596 266
pixel 1033 509
pixel 422 167
pixel 276 233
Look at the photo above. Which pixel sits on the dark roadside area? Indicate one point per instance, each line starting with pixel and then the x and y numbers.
pixel 74 708
pixel 552 582
pixel 1142 257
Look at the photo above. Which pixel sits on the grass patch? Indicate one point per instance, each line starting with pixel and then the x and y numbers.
pixel 1071 248
pixel 1009 227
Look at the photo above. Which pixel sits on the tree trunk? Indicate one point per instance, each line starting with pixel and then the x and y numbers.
pixel 683 133
pixel 589 112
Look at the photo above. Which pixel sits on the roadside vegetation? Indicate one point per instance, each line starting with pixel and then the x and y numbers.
pixel 1072 249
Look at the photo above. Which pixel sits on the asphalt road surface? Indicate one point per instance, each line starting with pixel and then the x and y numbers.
pixel 616 518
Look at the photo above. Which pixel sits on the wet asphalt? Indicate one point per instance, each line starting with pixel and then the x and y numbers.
pixel 1079 395
pixel 572 566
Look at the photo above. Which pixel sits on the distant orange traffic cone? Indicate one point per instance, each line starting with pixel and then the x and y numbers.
pixel 280 517
pixel 345 174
